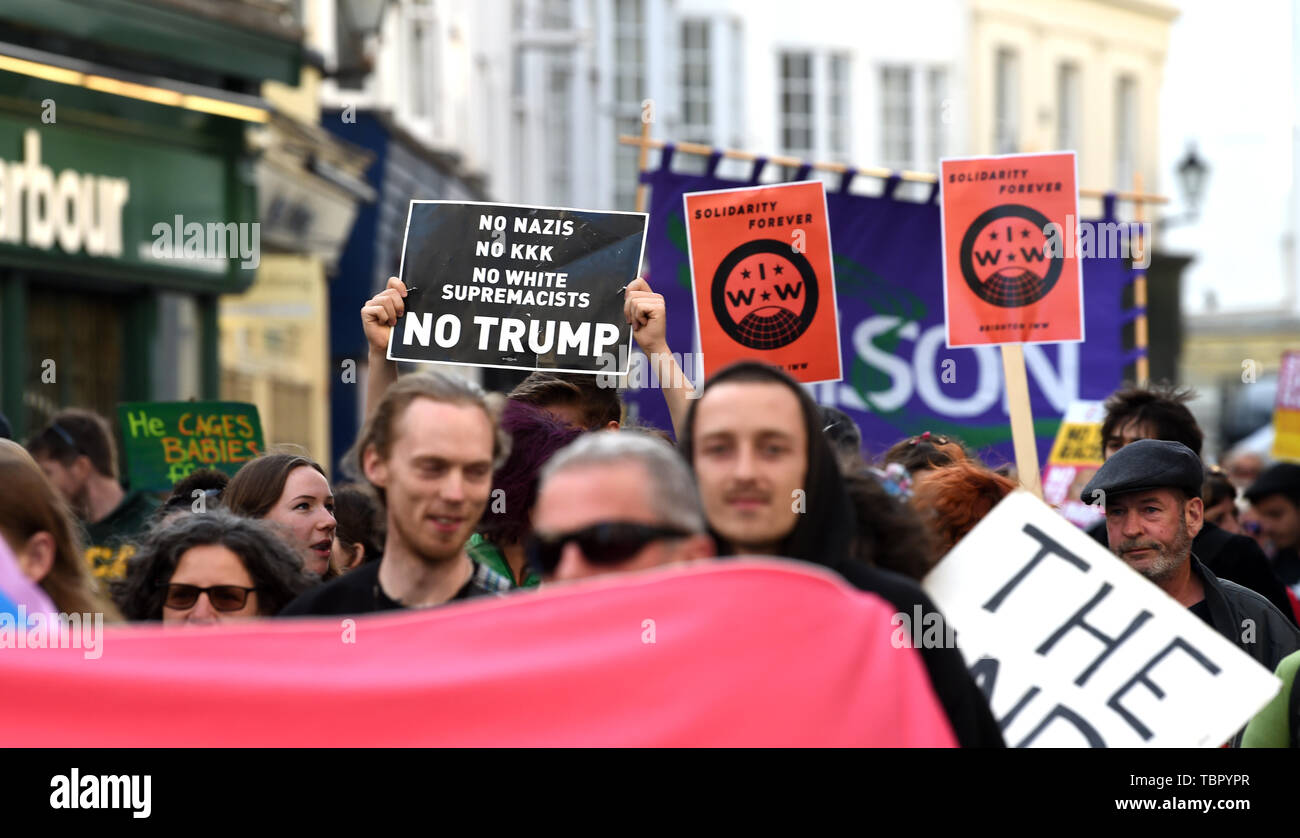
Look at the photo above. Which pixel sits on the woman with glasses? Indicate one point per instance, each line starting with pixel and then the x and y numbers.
pixel 210 568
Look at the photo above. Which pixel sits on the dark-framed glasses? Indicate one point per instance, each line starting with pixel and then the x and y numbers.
pixel 603 544
pixel 222 597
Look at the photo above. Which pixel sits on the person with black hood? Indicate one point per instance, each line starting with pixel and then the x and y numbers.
pixel 770 485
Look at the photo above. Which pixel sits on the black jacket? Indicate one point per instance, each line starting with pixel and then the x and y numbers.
pixel 965 705
pixel 1231 605
pixel 1236 558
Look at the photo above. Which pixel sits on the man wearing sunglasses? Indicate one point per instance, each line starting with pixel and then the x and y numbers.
pixel 612 502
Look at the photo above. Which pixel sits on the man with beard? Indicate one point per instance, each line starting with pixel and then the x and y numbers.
pixel 1160 412
pixel 1151 490
pixel 770 486
pixel 428 449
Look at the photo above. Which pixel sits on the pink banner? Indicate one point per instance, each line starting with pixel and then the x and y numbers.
pixel 735 653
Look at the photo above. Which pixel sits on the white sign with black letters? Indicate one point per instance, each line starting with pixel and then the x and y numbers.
pixel 1075 649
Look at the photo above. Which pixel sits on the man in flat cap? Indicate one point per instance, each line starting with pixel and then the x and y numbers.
pixel 1160 412
pixel 1275 496
pixel 1151 490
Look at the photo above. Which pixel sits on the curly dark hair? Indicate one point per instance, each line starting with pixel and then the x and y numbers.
pixel 890 533
pixel 1163 406
pixel 277 570
pixel 206 480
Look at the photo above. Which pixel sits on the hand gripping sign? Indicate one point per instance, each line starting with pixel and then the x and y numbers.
pixel 1006 280
pixel 518 287
pixel 1075 648
pixel 763 280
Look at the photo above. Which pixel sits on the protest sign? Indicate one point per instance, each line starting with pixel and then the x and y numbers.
pixel 1008 278
pixel 164 441
pixel 1075 648
pixel 1075 457
pixel 739 653
pixel 1286 414
pixel 517 287
pixel 763 280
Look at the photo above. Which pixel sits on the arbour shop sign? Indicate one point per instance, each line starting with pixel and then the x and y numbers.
pixel 79 212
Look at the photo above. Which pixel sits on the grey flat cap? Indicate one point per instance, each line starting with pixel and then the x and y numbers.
pixel 1148 464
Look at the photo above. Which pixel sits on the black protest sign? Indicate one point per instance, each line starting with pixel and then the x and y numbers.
pixel 519 287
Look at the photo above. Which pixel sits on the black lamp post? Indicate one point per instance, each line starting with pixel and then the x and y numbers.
pixel 356 20
pixel 1193 173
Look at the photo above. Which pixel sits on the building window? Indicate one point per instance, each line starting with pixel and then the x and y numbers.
pixel 1069 102
pixel 896 135
pixel 559 117
pixel 938 115
pixel 419 70
pixel 1126 132
pixel 1006 130
pixel 629 92
pixel 697 92
pixel 796 113
pixel 697 105
pixel 837 108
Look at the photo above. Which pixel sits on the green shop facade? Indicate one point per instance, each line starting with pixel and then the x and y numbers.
pixel 105 293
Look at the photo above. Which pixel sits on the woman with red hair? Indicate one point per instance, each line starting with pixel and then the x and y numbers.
pixel 953 499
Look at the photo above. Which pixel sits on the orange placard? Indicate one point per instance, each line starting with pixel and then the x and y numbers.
pixel 1008 276
pixel 762 277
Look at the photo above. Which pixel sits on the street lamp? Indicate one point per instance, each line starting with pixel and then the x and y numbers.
pixel 356 20
pixel 1192 175
pixel 1192 172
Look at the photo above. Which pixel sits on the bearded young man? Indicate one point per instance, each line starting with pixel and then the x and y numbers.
pixel 428 449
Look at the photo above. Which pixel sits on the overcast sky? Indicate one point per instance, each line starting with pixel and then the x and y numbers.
pixel 1229 86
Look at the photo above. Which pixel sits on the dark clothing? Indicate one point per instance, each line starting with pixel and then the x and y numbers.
pixel 1230 606
pixel 965 705
pixel 358 592
pixel 1286 564
pixel 111 540
pixel 1236 558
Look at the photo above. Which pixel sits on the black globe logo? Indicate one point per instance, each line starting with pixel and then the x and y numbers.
pixel 764 294
pixel 1004 256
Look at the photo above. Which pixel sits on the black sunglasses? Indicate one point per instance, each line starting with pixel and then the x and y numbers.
pixel 222 597
pixel 603 544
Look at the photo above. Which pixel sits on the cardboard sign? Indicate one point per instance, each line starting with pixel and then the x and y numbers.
pixel 735 653
pixel 164 441
pixel 1007 276
pixel 1286 415
pixel 763 280
pixel 517 287
pixel 1075 457
pixel 1074 648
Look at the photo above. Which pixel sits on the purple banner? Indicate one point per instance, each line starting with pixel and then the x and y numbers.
pixel 900 378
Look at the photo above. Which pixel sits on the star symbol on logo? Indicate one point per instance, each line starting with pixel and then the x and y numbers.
pixel 993 236
pixel 766 295
pixel 778 270
pixel 744 274
pixel 1024 234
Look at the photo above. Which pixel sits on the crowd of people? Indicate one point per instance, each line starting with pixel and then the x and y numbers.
pixel 455 493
